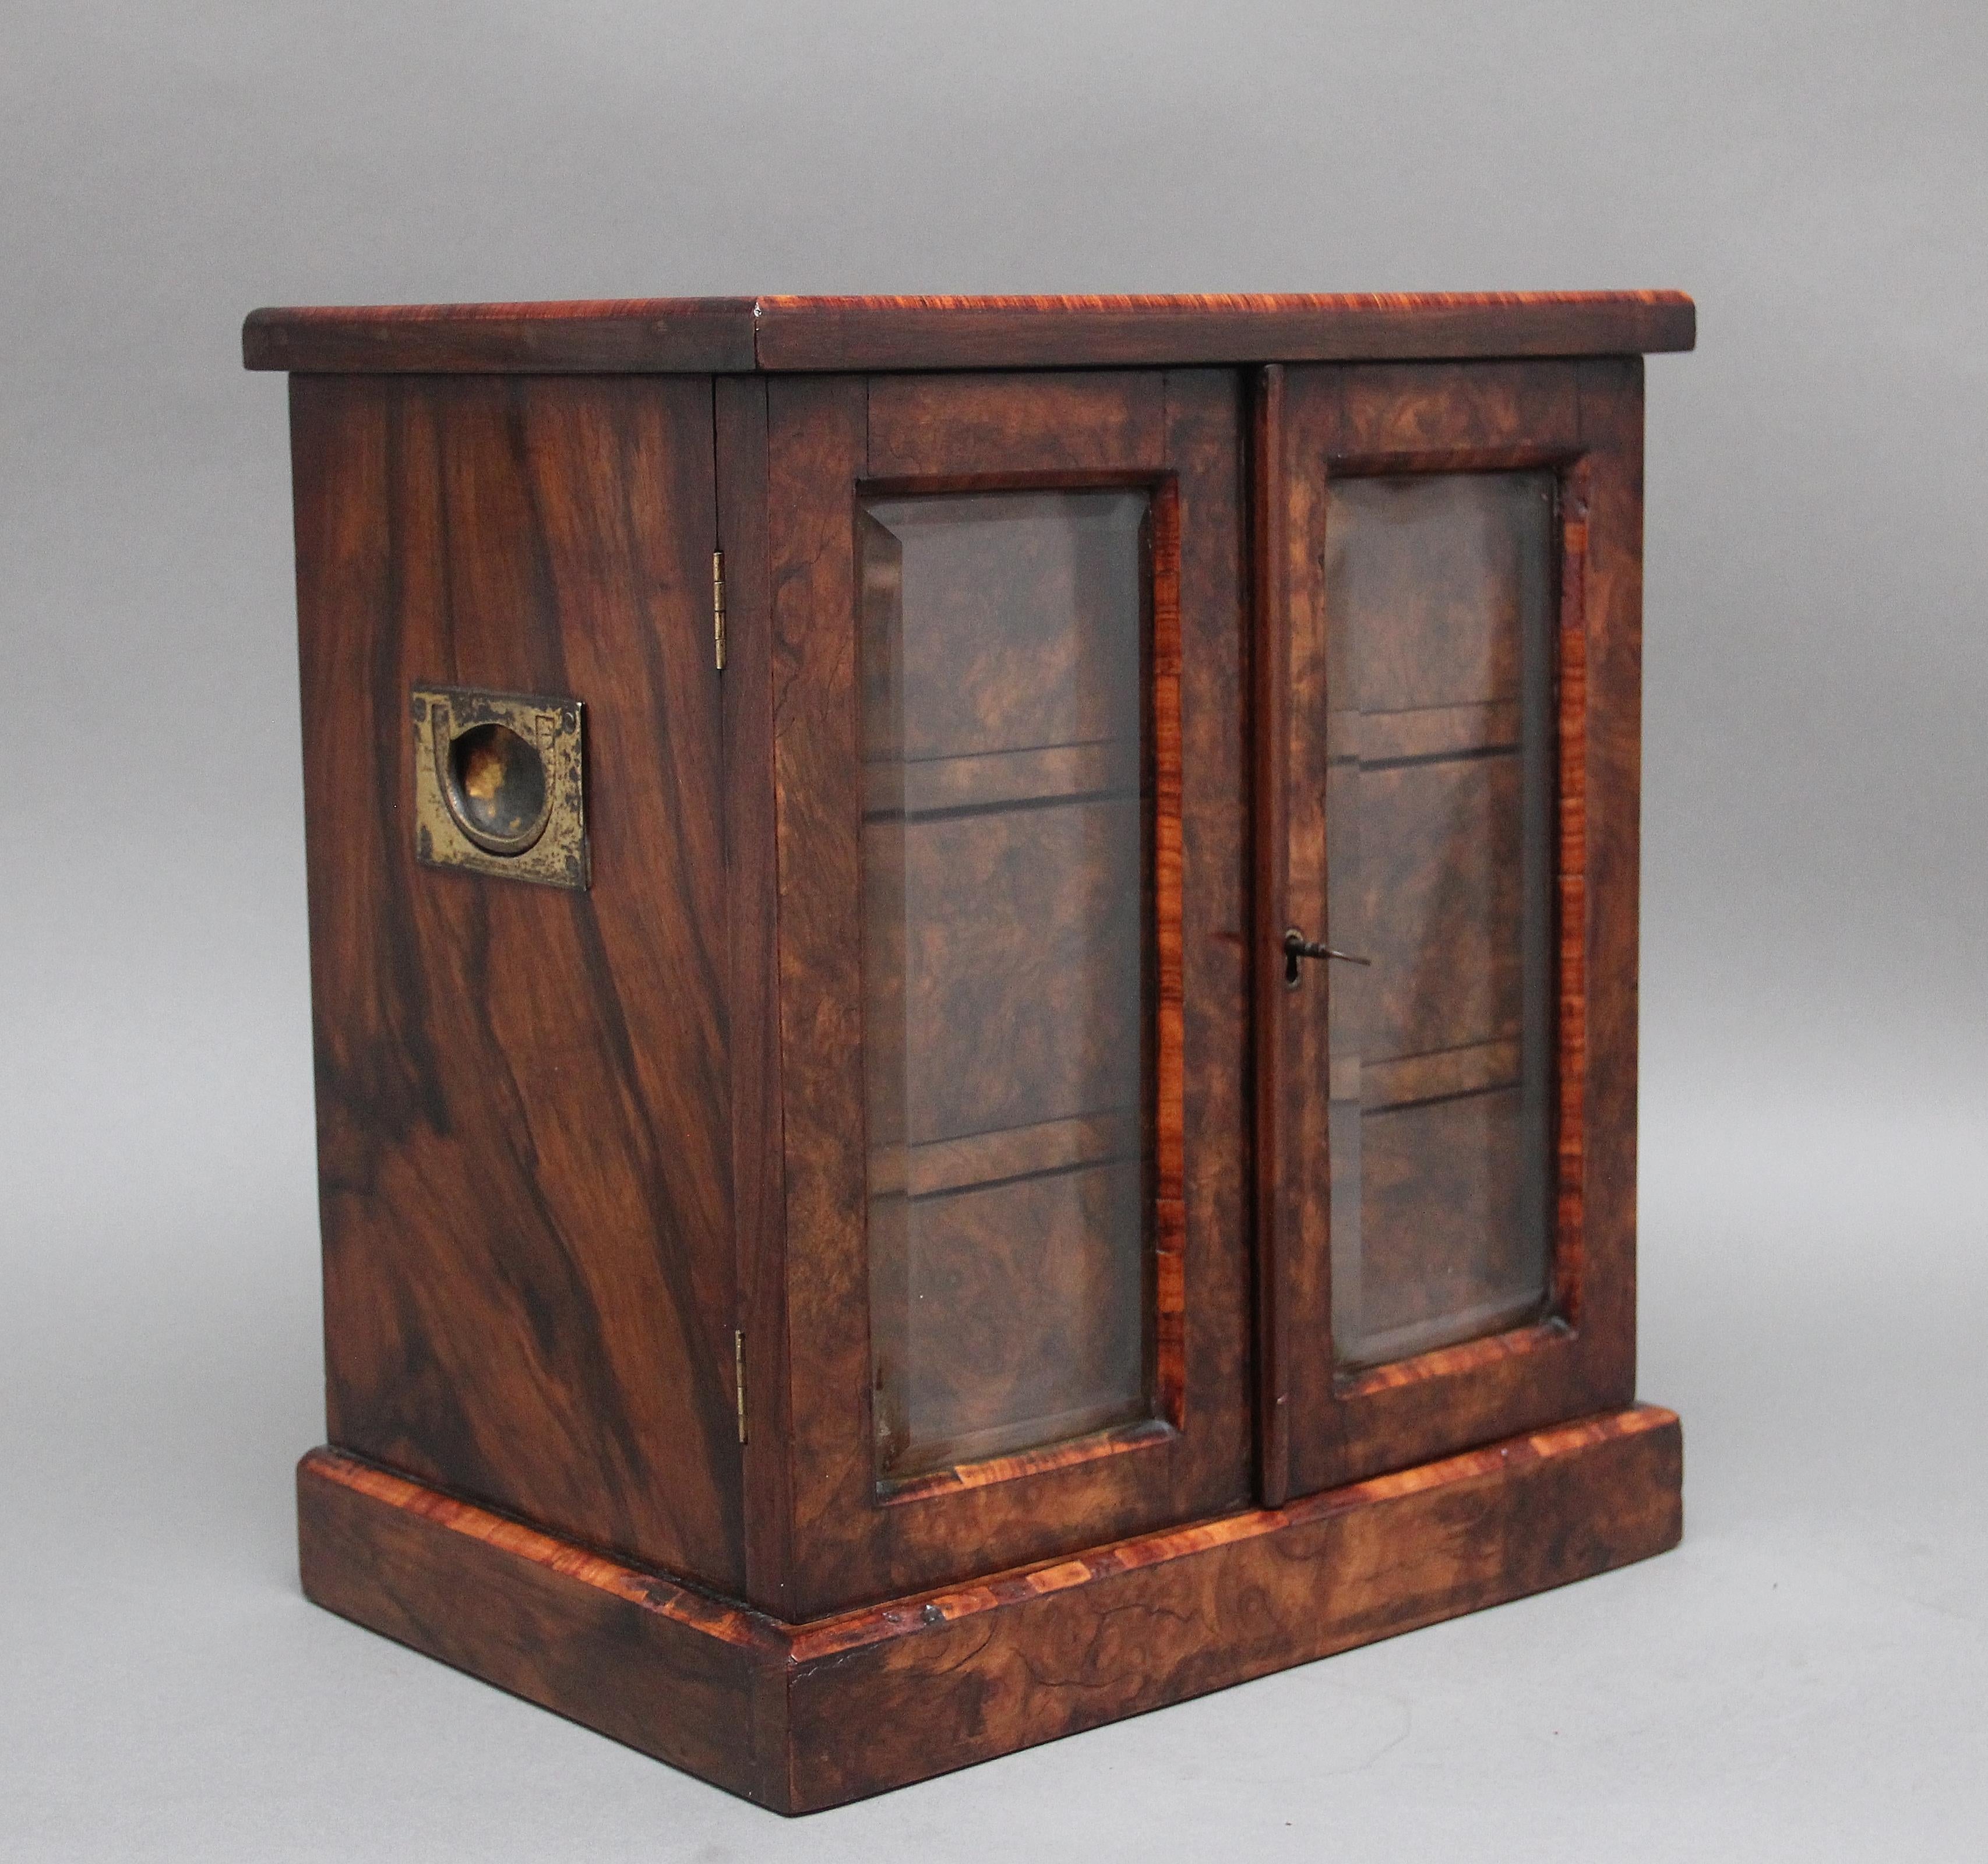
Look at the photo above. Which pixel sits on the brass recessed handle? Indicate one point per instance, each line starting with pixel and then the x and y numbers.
pixel 493 780
pixel 499 784
pixel 1297 946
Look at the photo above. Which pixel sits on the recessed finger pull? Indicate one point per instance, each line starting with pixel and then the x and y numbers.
pixel 499 784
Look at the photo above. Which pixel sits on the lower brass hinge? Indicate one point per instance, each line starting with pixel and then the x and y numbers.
pixel 717 628
pixel 739 1375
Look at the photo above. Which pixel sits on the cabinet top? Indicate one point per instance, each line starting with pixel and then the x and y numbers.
pixel 742 335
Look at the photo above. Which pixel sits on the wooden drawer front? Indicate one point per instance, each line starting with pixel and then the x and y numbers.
pixel 522 1100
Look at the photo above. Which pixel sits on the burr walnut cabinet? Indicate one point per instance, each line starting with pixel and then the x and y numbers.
pixel 973 966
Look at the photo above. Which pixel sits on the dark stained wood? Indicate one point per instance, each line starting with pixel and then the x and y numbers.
pixel 1036 1655
pixel 727 335
pixel 977 1475
pixel 1278 1108
pixel 956 427
pixel 523 1120
pixel 1206 440
pixel 814 448
pixel 1572 875
pixel 1409 413
pixel 1169 1008
pixel 575 1144
pixel 1293 1189
pixel 1447 1361
pixel 812 333
pixel 671 1671
pixel 683 335
pixel 1455 1035
pixel 758 1168
pixel 803 1717
pixel 1598 1149
pixel 854 1539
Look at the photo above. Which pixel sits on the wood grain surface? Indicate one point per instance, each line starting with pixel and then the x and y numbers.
pixel 1581 420
pixel 738 335
pixel 523 1108
pixel 683 335
pixel 676 1673
pixel 855 1536
pixel 803 1717
pixel 758 1171
pixel 1599 943
pixel 587 1157
pixel 1283 1120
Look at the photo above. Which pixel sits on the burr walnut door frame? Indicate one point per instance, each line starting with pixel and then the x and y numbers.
pixel 832 1529
pixel 1578 425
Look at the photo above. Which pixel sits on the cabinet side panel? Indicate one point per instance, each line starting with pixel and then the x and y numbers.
pixel 522 1099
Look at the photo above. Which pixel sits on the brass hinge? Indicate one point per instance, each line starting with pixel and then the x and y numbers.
pixel 717 642
pixel 739 1375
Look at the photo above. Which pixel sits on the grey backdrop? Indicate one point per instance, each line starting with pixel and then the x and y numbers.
pixel 1805 1677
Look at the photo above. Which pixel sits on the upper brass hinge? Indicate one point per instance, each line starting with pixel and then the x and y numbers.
pixel 718 629
pixel 738 1368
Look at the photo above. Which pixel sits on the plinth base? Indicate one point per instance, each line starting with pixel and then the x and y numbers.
pixel 798 1718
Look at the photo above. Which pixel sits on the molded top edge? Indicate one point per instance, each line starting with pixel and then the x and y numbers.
pixel 738 336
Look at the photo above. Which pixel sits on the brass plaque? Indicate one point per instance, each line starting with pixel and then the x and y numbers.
pixel 499 785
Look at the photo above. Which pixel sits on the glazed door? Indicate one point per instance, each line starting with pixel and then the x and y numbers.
pixel 1006 649
pixel 1445 938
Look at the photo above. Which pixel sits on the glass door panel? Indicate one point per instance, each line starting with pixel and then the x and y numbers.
pixel 1445 1131
pixel 1012 1274
pixel 1439 809
pixel 1006 879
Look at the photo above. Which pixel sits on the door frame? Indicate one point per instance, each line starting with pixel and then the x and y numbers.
pixel 1583 420
pixel 843 1537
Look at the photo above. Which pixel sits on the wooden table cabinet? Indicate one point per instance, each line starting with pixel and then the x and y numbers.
pixel 973 966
